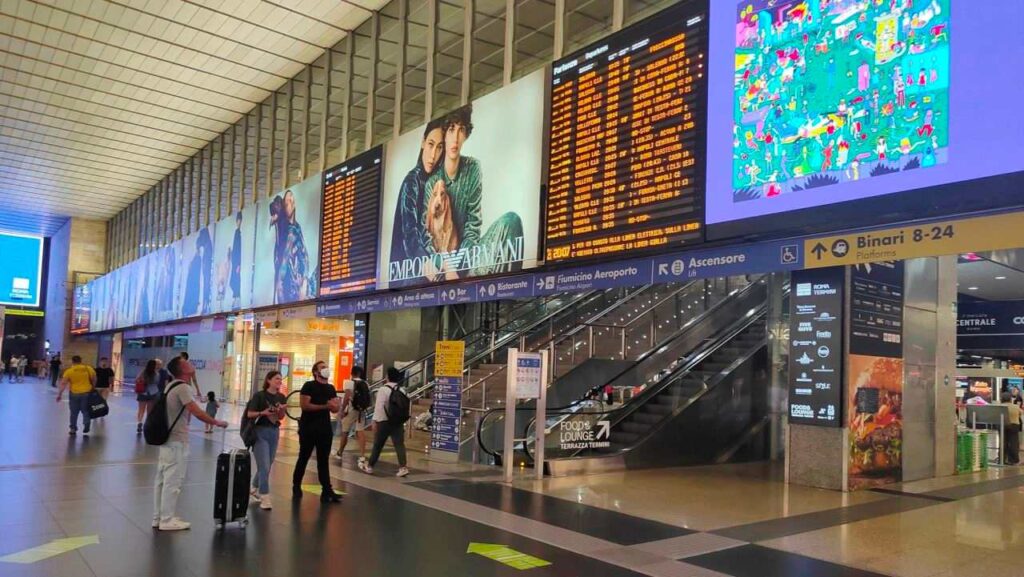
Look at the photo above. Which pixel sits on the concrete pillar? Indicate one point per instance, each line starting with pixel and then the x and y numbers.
pixel 79 246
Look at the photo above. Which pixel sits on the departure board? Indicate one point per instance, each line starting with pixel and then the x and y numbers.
pixel 627 140
pixel 351 215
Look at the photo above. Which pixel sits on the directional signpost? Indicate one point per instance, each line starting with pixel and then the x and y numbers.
pixel 527 379
pixel 446 432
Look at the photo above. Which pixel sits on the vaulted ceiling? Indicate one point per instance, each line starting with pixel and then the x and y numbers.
pixel 100 99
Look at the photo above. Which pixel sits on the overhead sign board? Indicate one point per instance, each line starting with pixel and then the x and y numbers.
pixel 946 237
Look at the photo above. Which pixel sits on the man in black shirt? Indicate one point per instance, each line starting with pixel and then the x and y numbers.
pixel 104 377
pixel 54 370
pixel 318 400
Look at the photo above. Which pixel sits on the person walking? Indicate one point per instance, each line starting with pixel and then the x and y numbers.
pixel 384 429
pixel 212 406
pixel 12 368
pixel 267 407
pixel 22 365
pixel 356 400
pixel 80 379
pixel 104 377
pixel 55 364
pixel 173 460
pixel 147 389
pixel 318 400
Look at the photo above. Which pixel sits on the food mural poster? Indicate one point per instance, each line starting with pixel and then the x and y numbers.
pixel 875 375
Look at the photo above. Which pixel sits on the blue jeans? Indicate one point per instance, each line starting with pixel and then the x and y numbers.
pixel 79 404
pixel 264 450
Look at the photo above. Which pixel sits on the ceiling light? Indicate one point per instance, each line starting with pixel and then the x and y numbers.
pixel 1000 278
pixel 972 288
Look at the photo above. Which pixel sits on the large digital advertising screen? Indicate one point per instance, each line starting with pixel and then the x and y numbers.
pixel 288 244
pixel 233 261
pixel 351 210
pixel 849 101
pixel 462 193
pixel 195 276
pixel 81 304
pixel 627 137
pixel 22 269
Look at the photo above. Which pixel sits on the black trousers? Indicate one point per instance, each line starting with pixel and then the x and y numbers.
pixel 396 433
pixel 319 440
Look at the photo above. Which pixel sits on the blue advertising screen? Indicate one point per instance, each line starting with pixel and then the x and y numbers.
pixel 849 101
pixel 22 269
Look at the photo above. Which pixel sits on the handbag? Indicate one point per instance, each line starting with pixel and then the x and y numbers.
pixel 97 405
pixel 140 385
pixel 247 429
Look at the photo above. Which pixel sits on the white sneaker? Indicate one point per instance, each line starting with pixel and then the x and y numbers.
pixel 402 471
pixel 366 468
pixel 175 524
pixel 265 502
pixel 361 461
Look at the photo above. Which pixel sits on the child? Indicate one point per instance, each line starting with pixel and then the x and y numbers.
pixel 211 409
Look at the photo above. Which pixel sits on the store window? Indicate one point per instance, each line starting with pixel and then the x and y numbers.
pixel 292 347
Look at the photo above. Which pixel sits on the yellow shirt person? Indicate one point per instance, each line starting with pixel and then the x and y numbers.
pixel 80 378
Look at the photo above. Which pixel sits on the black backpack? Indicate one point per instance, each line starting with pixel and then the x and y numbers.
pixel 157 430
pixel 397 409
pixel 361 395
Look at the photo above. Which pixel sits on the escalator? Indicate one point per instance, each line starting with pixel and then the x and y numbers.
pixel 699 400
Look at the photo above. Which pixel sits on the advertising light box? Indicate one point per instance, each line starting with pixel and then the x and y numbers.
pixel 626 145
pixel 893 110
pixel 233 261
pixel 461 193
pixel 288 245
pixel 22 269
pixel 351 212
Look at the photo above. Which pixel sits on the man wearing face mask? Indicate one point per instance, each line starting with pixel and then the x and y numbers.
pixel 318 400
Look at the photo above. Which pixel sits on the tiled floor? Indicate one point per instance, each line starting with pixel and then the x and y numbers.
pixel 701 522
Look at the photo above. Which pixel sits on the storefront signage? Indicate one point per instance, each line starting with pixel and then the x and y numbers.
pixel 445 433
pixel 990 325
pixel 303 312
pixel 265 317
pixel 876 309
pixel 579 434
pixel 816 347
pixel 1001 231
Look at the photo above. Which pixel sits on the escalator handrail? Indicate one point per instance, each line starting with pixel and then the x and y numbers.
pixel 418 392
pixel 505 341
pixel 653 306
pixel 683 330
pixel 730 333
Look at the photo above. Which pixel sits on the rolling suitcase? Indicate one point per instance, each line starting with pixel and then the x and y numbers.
pixel 231 491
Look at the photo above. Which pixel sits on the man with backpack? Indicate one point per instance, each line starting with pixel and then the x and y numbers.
pixel 166 427
pixel 390 413
pixel 354 405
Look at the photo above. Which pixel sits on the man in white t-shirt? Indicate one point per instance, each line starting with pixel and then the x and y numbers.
pixel 355 402
pixel 173 462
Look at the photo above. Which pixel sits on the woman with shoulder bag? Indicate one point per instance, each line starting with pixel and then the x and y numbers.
pixel 266 408
pixel 147 389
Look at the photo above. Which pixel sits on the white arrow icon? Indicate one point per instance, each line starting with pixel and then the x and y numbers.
pixel 604 430
pixel 663 268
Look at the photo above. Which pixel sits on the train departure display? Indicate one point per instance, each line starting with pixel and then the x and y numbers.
pixel 626 149
pixel 351 213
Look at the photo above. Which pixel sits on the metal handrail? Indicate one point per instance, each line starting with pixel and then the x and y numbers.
pixel 681 332
pixel 622 412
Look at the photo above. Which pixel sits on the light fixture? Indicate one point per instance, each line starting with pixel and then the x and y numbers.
pixel 1000 278
pixel 972 288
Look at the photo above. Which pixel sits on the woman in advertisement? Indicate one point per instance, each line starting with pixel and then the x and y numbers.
pixel 291 259
pixel 197 283
pixel 452 226
pixel 406 234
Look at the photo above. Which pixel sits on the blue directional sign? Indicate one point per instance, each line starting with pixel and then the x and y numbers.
pixel 445 433
pixel 729 261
